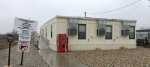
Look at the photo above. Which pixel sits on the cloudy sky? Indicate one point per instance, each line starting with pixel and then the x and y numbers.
pixel 42 10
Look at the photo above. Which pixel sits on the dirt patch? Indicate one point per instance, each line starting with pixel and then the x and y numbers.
pixel 139 57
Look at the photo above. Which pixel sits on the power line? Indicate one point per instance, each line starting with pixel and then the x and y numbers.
pixel 120 8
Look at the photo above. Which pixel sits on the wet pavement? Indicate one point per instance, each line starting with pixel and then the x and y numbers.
pixel 31 58
pixel 55 59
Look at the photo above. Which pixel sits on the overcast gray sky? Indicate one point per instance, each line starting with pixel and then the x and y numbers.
pixel 42 10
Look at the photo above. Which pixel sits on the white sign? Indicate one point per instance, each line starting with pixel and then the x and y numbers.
pixel 24 39
pixel 24 28
pixel 25 24
pixel 24 35
pixel 23 46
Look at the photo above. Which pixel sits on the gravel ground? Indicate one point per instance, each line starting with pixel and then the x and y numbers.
pixel 139 57
pixel 31 59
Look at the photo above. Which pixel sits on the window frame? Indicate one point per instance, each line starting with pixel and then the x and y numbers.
pixel 46 32
pixel 101 27
pixel 72 29
pixel 124 33
pixel 132 32
pixel 51 31
pixel 79 37
pixel 148 35
pixel 107 33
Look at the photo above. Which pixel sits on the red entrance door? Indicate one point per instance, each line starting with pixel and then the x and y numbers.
pixel 62 43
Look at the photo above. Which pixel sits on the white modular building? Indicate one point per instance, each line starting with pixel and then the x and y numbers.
pixel 66 33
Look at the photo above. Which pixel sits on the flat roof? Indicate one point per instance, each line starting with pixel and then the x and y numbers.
pixel 143 30
pixel 92 18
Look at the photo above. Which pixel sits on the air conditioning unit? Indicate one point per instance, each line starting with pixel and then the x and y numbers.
pixel 72 31
pixel 101 32
pixel 124 32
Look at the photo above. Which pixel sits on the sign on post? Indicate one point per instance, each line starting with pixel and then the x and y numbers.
pixel 24 39
pixel 24 28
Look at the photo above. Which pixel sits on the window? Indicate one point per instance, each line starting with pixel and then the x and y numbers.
pixel 100 28
pixel 81 31
pixel 72 29
pixel 149 35
pixel 72 26
pixel 101 32
pixel 46 32
pixel 125 31
pixel 132 32
pixel 51 31
pixel 108 34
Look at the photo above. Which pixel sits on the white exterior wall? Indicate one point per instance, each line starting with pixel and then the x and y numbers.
pixel 92 41
pixel 52 41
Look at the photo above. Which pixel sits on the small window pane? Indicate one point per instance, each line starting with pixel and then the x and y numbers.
pixel 100 28
pixel 72 26
pixel 125 30
pixel 108 34
pixel 101 32
pixel 82 28
pixel 108 29
pixel 51 31
pixel 132 32
pixel 148 35
pixel 81 31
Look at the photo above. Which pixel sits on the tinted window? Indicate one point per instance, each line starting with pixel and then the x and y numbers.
pixel 108 34
pixel 81 31
pixel 132 32
pixel 51 31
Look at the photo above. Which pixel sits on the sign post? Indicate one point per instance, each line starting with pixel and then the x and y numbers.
pixel 22 58
pixel 24 40
pixel 24 28
pixel 9 54
pixel 10 40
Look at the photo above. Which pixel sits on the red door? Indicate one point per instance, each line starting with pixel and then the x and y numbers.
pixel 62 43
